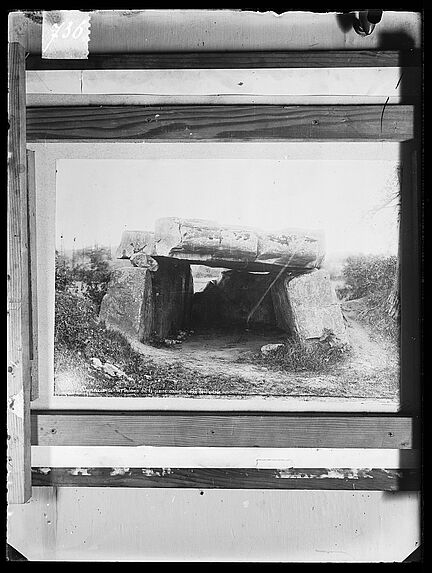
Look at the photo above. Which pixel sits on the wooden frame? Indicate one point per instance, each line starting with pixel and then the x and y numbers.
pixel 48 154
pixel 249 430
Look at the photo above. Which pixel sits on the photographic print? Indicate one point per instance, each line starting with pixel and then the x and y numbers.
pixel 227 278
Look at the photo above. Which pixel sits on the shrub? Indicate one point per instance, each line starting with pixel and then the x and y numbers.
pixel 77 330
pixel 371 278
pixel 63 273
pixel 75 320
pixel 368 274
pixel 93 274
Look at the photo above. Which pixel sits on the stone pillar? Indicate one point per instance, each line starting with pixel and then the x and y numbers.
pixel 141 303
pixel 128 305
pixel 172 295
pixel 306 305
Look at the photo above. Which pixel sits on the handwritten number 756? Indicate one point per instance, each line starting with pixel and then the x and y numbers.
pixel 66 30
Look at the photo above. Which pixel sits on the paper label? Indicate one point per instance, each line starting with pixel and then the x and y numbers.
pixel 65 34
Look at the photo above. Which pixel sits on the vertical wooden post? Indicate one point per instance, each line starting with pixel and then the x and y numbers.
pixel 32 266
pixel 410 287
pixel 19 375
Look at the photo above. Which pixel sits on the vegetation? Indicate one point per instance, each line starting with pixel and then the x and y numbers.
pixel 367 275
pixel 295 356
pixel 89 273
pixel 373 279
pixel 80 339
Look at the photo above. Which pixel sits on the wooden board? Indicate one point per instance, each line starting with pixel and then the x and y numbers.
pixel 221 123
pixel 233 478
pixel 298 86
pixel 32 259
pixel 232 60
pixel 19 375
pixel 229 430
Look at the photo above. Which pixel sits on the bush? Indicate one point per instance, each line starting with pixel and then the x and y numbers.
pixel 93 274
pixel 77 330
pixel 368 275
pixel 75 320
pixel 63 273
pixel 371 278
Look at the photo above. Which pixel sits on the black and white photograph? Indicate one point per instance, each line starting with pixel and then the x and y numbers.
pixel 215 285
pixel 227 278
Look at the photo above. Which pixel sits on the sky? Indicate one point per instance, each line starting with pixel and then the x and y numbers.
pixel 96 199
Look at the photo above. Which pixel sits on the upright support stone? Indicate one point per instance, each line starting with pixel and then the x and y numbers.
pixel 128 305
pixel 172 292
pixel 306 306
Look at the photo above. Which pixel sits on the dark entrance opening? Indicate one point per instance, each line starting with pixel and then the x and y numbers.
pixel 234 299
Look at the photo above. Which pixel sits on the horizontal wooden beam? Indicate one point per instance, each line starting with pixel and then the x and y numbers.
pixel 221 430
pixel 221 123
pixel 232 60
pixel 283 86
pixel 234 478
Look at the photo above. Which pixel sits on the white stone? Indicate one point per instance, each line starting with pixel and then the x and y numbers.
pixel 270 348
pixel 96 363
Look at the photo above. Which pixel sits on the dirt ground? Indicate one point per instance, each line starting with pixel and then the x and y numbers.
pixel 371 371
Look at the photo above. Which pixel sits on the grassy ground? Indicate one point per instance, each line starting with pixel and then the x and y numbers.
pixel 212 363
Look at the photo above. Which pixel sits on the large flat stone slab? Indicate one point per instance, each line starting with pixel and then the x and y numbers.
pixel 209 243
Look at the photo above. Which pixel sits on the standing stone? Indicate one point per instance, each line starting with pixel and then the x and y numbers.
pixel 128 305
pixel 172 292
pixel 306 305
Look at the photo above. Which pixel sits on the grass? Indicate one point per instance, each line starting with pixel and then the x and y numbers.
pixel 374 314
pixel 370 279
pixel 295 356
pixel 79 337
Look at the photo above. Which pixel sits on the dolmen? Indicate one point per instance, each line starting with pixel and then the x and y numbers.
pixel 270 278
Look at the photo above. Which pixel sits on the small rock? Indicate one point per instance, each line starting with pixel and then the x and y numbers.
pixel 270 348
pixel 96 363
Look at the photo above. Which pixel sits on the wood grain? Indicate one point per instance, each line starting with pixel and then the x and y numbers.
pixel 19 375
pixel 233 60
pixel 317 478
pixel 221 123
pixel 32 266
pixel 224 430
